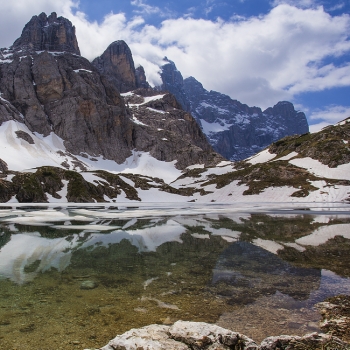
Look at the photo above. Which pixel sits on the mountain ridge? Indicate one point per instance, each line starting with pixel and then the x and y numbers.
pixel 234 129
pixel 68 134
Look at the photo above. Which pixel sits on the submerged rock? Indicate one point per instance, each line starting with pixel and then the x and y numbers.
pixel 88 285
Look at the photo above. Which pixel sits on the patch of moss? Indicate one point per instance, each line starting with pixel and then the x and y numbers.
pixel 80 190
pixel 28 188
pixel 261 176
pixel 118 183
pixel 6 191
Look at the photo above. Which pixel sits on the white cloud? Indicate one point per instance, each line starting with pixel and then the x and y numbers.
pixel 145 8
pixel 337 6
pixel 296 3
pixel 328 116
pixel 257 60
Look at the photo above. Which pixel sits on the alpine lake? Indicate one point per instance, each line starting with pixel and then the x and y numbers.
pixel 75 276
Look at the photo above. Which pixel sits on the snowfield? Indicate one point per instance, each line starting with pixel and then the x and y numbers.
pixel 25 156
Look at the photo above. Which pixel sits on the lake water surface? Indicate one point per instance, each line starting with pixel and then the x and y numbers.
pixel 74 277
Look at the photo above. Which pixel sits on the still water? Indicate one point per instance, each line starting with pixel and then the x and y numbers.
pixel 74 277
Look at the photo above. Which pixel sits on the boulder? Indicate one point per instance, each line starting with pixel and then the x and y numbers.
pixel 183 335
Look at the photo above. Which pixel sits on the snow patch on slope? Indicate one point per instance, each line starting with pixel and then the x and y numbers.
pixel 317 168
pixel 262 157
pixel 209 128
pixel 21 155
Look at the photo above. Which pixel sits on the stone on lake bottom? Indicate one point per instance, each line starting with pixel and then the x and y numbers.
pixel 88 285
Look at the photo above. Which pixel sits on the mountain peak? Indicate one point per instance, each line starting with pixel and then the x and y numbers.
pixel 117 64
pixel 50 33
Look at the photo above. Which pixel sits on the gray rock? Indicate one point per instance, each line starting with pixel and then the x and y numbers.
pixel 182 335
pixel 3 166
pixel 169 133
pixel 313 341
pixel 88 285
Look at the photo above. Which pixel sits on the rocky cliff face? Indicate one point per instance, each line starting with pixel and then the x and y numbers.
pixel 235 130
pixel 117 64
pixel 167 131
pixel 47 86
pixel 174 83
pixel 49 33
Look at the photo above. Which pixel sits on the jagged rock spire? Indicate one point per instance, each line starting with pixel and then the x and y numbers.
pixel 49 33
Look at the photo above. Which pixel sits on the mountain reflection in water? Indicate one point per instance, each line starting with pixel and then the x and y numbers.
pixel 91 273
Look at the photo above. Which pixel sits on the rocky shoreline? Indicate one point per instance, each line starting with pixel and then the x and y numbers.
pixel 183 335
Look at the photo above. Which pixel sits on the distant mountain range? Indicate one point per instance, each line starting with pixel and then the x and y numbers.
pixel 78 131
pixel 235 130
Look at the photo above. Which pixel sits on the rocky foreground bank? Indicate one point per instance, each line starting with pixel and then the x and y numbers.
pixel 184 335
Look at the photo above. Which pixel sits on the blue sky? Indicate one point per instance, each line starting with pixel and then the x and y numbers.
pixel 257 51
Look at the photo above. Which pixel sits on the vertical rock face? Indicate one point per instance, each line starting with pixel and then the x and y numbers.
pixel 49 33
pixel 117 64
pixel 174 83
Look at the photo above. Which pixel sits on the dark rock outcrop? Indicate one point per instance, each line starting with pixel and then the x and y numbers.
pixel 141 80
pixel 49 33
pixel 167 132
pixel 3 166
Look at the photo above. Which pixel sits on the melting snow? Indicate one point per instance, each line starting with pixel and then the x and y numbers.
pixel 209 128
pixel 262 157
pixel 322 170
pixel 136 121
pixel 288 156
pixel 82 70
pixel 156 110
